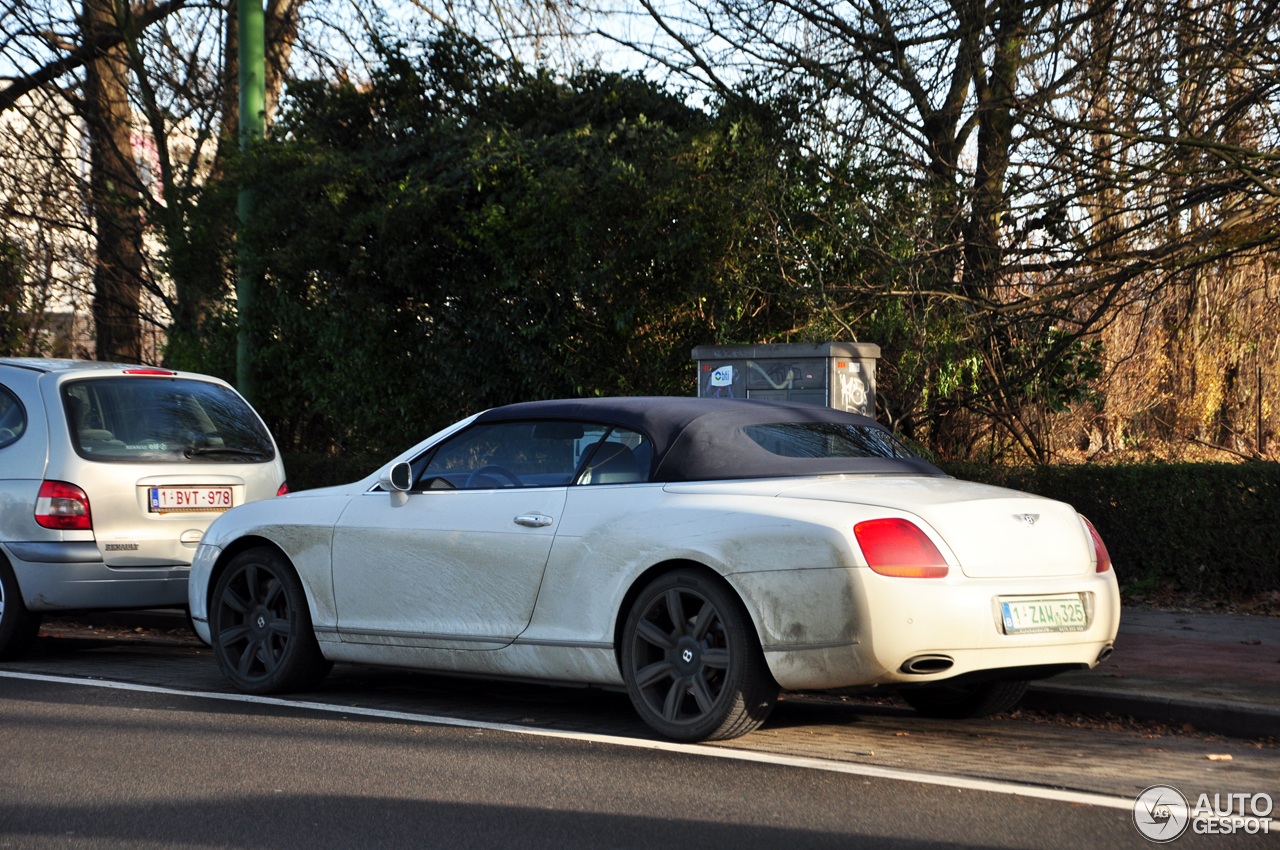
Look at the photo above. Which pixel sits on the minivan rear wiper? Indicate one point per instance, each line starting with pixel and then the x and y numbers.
pixel 222 450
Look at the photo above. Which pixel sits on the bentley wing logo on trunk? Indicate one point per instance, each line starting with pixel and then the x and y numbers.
pixel 1027 519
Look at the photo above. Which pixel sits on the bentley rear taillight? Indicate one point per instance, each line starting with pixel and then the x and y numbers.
pixel 1099 548
pixel 284 489
pixel 897 547
pixel 63 506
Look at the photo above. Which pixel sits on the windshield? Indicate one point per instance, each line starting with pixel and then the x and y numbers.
pixel 159 420
pixel 825 440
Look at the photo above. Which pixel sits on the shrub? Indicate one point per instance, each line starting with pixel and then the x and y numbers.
pixel 306 471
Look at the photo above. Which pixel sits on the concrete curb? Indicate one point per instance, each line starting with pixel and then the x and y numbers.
pixel 1221 716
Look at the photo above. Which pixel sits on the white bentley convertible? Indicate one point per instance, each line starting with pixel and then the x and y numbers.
pixel 701 552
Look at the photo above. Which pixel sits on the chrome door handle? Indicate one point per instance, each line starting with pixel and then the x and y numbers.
pixel 534 520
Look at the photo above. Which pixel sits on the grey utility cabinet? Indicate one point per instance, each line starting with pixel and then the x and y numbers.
pixel 841 375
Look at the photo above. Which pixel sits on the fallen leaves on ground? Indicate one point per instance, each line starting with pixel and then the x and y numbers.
pixel 60 628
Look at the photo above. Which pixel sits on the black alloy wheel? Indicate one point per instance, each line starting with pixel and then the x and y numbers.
pixel 958 702
pixel 692 661
pixel 261 627
pixel 18 626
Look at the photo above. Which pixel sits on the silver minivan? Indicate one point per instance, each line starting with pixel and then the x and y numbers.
pixel 109 476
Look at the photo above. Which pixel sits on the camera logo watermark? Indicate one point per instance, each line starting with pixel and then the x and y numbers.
pixel 1161 813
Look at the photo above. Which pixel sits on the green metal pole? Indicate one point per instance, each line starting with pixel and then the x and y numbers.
pixel 253 107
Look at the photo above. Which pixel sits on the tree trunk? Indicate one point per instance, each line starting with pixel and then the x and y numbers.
pixel 280 32
pixel 995 92
pixel 114 191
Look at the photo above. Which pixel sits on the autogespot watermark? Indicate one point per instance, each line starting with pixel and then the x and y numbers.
pixel 1161 813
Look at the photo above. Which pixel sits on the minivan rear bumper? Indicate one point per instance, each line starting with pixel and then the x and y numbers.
pixel 60 585
pixel 56 552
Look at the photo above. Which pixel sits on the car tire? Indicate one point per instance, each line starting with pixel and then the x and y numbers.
pixel 18 626
pixel 697 674
pixel 260 626
pixel 955 702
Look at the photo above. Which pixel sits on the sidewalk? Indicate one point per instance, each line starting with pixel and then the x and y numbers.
pixel 1219 672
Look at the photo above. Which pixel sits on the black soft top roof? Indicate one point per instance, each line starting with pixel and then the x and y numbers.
pixel 701 439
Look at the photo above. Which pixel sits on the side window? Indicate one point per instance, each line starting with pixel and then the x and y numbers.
pixel 13 418
pixel 509 454
pixel 623 458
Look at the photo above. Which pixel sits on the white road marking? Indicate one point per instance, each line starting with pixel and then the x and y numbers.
pixel 963 783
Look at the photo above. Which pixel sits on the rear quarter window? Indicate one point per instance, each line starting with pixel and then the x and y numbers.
pixel 162 420
pixel 13 418
pixel 825 440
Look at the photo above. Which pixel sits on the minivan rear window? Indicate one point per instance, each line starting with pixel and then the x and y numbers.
pixel 162 420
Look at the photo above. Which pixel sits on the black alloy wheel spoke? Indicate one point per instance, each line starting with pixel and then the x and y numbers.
pixel 717 658
pixel 251 579
pixel 649 631
pixel 675 696
pixel 706 616
pixel 267 656
pixel 233 634
pixel 654 673
pixel 246 658
pixel 702 693
pixel 675 610
pixel 273 592
pixel 280 627
pixel 233 601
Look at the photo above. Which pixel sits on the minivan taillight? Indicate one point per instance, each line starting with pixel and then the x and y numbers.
pixel 284 489
pixel 1099 548
pixel 63 506
pixel 896 547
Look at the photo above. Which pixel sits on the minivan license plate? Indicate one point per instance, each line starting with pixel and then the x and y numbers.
pixel 1046 614
pixel 167 500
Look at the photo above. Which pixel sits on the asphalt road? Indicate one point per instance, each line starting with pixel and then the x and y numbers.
pixel 84 766
pixel 1090 755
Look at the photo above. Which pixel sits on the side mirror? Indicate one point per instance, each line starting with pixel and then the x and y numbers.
pixel 396 481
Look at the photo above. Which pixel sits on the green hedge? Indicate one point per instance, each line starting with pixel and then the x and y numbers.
pixel 309 471
pixel 1212 528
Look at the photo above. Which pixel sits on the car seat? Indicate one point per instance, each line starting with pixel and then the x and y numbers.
pixel 613 463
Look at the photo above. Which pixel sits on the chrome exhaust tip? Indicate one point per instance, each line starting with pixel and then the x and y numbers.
pixel 923 665
pixel 1106 653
